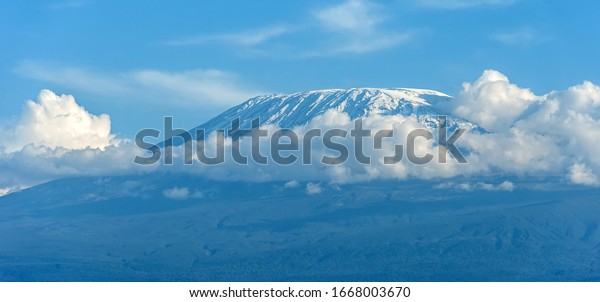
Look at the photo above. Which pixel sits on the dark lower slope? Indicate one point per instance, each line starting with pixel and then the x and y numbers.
pixel 126 229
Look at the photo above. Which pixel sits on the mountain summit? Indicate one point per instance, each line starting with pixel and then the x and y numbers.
pixel 290 110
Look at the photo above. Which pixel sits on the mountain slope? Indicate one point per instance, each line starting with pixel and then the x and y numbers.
pixel 127 228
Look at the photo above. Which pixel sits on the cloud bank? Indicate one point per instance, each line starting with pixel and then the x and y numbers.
pixel 526 136
pixel 492 101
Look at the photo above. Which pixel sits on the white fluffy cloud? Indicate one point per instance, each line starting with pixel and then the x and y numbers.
pixel 291 184
pixel 550 135
pixel 350 171
pixel 582 175
pixel 56 137
pixel 492 101
pixel 177 193
pixel 33 165
pixel 58 121
pixel 182 193
pixel 313 188
pixel 466 186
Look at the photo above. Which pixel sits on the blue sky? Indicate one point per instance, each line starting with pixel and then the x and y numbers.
pixel 138 61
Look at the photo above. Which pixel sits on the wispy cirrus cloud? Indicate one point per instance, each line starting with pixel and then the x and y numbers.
pixel 357 26
pixel 73 76
pixel 69 4
pixel 206 85
pixel 520 36
pixel 195 87
pixel 353 16
pixel 463 4
pixel 351 26
pixel 245 38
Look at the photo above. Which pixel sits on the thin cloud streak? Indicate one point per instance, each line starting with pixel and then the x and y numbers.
pixel 522 36
pixel 349 27
pixel 247 38
pixel 464 4
pixel 357 25
pixel 190 88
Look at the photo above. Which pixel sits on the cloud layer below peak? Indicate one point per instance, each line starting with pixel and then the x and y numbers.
pixel 551 136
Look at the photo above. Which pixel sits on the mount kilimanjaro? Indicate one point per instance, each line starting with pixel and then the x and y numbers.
pixel 297 109
pixel 165 226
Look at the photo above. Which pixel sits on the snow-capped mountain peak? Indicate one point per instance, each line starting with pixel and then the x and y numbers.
pixel 290 110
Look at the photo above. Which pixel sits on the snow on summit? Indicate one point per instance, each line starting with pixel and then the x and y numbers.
pixel 296 109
